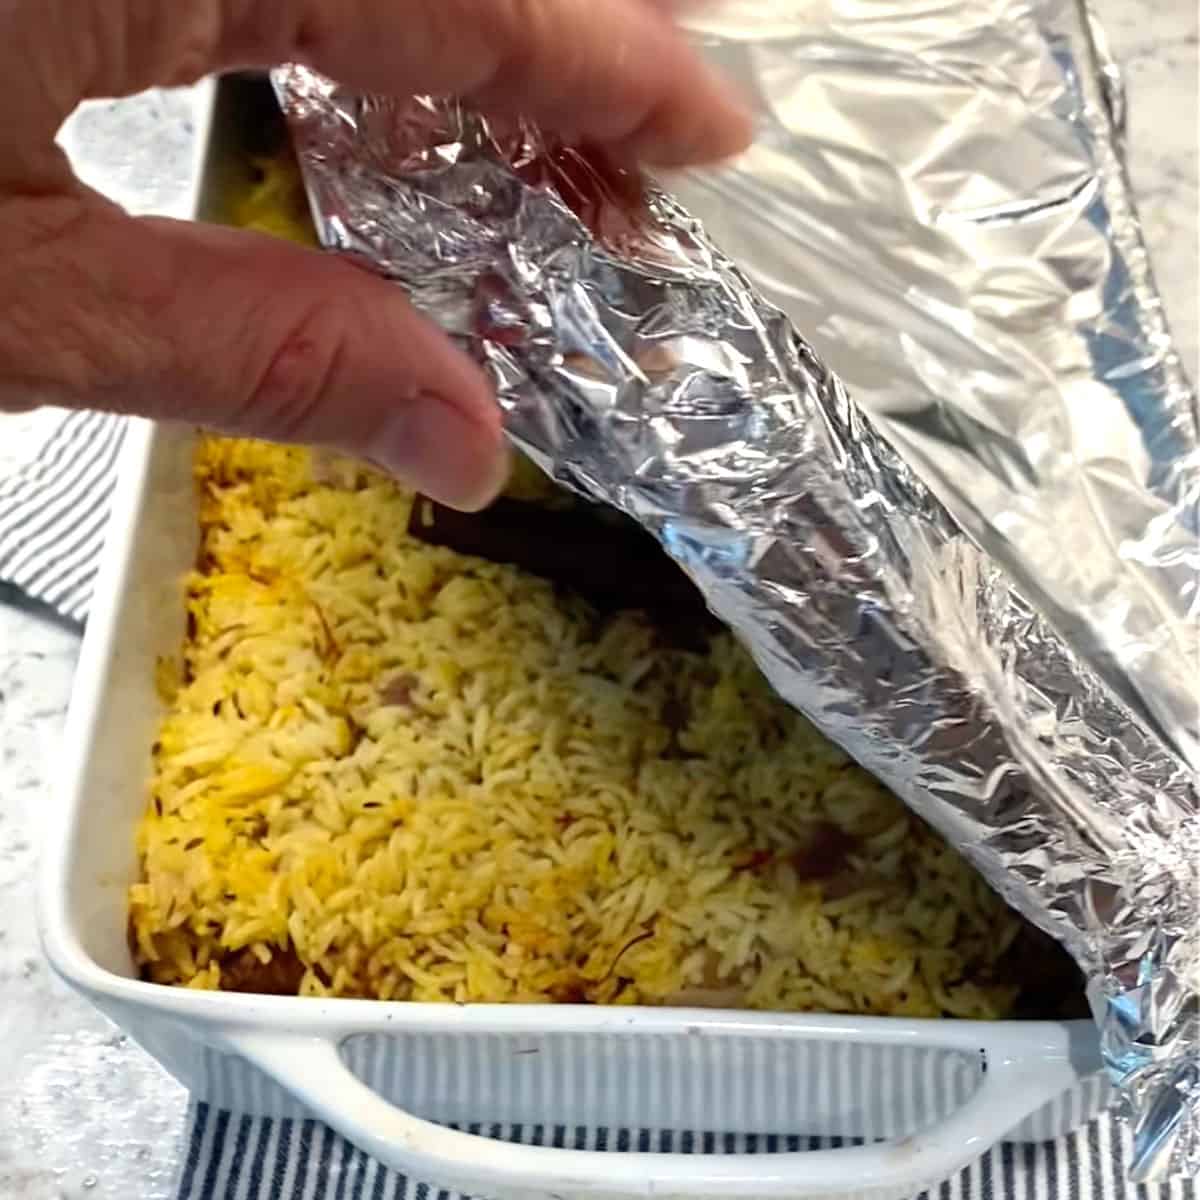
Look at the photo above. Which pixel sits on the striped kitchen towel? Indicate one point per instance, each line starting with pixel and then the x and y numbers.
pixel 53 512
pixel 231 1157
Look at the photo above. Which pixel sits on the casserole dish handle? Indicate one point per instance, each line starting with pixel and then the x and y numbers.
pixel 313 1070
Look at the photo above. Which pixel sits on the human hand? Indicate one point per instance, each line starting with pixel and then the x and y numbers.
pixel 248 335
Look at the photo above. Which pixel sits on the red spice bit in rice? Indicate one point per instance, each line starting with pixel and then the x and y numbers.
pixel 645 935
pixel 331 650
pixel 756 861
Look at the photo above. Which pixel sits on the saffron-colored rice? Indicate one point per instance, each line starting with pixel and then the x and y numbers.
pixel 387 770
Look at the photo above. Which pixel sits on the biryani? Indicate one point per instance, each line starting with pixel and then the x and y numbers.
pixel 391 769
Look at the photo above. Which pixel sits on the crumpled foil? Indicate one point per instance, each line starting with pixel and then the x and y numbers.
pixel 985 590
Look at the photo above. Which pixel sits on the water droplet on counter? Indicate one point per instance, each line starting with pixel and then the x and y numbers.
pixel 90 1181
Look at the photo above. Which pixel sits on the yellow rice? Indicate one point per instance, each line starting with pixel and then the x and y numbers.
pixel 430 777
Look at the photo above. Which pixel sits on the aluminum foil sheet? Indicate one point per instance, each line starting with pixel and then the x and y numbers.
pixel 979 575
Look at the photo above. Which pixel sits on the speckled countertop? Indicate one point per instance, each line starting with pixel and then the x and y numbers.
pixel 84 1114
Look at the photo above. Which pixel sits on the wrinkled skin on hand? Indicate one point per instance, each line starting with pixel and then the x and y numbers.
pixel 242 333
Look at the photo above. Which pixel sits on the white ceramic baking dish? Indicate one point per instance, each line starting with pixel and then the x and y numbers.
pixel 926 1097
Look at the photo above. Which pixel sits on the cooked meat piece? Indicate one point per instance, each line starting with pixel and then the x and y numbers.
pixel 825 854
pixel 734 997
pixel 1053 987
pixel 675 715
pixel 398 691
pixel 614 565
pixel 569 993
pixel 849 882
pixel 243 972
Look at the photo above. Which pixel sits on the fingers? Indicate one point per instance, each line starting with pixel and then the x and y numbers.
pixel 616 72
pixel 258 337
pixel 243 334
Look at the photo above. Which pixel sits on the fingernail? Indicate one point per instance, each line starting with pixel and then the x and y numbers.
pixel 437 449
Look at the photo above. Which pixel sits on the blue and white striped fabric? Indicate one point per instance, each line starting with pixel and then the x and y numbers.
pixel 232 1157
pixel 52 517
pixel 53 513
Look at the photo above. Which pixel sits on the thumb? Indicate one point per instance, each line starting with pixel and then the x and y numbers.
pixel 241 333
